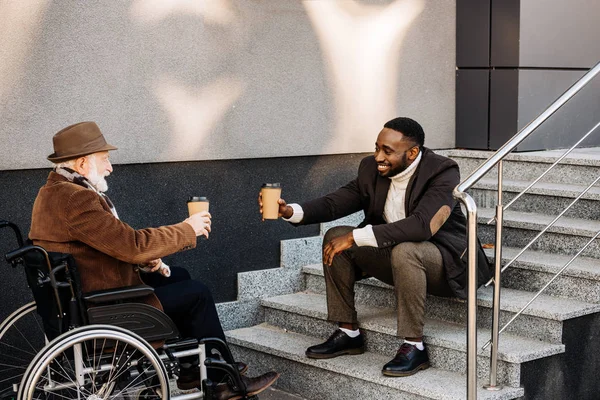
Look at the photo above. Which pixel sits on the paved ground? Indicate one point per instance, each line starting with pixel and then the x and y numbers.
pixel 269 394
pixel 274 394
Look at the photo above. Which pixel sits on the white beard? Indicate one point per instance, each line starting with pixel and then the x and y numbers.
pixel 95 179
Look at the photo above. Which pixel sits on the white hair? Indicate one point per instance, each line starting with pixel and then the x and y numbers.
pixel 65 164
pixel 95 179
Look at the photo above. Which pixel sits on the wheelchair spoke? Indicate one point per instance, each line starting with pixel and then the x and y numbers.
pixel 25 338
pixel 21 338
pixel 112 369
pixel 12 366
pixel 122 364
pixel 137 383
pixel 10 346
pixel 94 364
pixel 11 378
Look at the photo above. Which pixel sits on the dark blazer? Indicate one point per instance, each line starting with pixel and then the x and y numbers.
pixel 431 213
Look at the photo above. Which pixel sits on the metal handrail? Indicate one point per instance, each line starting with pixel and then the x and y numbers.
pixel 471 208
pixel 509 146
pixel 566 153
pixel 528 245
pixel 585 246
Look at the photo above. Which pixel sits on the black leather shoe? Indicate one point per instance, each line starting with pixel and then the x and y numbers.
pixel 338 344
pixel 408 361
pixel 253 387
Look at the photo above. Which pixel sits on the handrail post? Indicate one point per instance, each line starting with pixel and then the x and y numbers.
pixel 496 306
pixel 471 207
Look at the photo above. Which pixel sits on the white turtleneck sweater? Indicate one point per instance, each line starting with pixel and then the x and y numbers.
pixel 393 209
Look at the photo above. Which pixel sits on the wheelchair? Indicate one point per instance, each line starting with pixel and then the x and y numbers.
pixel 96 346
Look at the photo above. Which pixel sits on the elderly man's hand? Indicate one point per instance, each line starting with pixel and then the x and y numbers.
pixel 152 265
pixel 200 222
pixel 336 246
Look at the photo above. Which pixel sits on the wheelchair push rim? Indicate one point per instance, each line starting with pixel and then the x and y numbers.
pixel 96 362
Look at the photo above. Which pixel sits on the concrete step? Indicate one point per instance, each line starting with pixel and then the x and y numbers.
pixel 566 236
pixel 580 167
pixel 306 313
pixel 296 253
pixel 534 269
pixel 543 198
pixel 543 319
pixel 350 377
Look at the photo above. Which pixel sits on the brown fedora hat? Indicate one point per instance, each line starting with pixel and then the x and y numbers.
pixel 78 140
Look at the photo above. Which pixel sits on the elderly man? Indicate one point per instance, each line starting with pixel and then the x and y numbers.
pixel 413 238
pixel 72 214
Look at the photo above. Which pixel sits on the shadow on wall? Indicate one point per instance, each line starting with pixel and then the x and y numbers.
pixel 202 80
pixel 362 68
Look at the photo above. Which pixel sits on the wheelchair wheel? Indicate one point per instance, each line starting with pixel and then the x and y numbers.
pixel 21 339
pixel 96 362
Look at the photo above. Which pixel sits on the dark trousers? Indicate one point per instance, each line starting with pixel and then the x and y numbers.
pixel 190 305
pixel 187 302
pixel 413 268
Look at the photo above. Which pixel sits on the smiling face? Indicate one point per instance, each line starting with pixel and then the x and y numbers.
pixel 394 152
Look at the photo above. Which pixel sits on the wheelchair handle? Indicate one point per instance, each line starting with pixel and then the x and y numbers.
pixel 12 256
pixel 15 228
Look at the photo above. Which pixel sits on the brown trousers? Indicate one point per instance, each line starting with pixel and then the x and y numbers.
pixel 413 268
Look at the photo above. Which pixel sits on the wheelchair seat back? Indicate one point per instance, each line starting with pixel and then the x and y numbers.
pixel 54 283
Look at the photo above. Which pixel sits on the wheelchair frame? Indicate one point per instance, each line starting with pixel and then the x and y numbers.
pixel 92 361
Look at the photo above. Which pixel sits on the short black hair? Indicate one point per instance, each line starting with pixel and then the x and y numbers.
pixel 409 128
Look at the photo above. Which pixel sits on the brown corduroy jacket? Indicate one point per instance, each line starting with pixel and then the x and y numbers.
pixel 70 218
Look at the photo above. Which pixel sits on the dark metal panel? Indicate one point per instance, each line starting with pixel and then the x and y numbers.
pixel 473 33
pixel 504 106
pixel 538 89
pixel 559 34
pixel 472 96
pixel 505 33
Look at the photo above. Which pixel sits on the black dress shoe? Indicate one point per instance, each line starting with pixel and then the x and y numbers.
pixel 409 359
pixel 253 387
pixel 338 344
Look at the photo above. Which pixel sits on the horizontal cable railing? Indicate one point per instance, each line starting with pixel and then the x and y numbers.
pixel 546 285
pixel 566 153
pixel 471 211
pixel 532 241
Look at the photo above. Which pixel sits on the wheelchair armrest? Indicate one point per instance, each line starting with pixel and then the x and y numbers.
pixel 122 293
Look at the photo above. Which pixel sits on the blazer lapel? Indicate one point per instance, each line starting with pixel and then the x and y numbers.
pixel 382 185
pixel 410 188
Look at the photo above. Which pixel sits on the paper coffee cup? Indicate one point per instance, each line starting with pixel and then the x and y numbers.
pixel 271 192
pixel 197 204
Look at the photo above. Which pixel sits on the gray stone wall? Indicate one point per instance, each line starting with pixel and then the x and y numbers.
pixel 223 79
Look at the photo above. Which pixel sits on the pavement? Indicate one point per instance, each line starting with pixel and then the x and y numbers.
pixel 275 394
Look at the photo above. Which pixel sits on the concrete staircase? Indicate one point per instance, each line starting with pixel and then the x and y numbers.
pixel 551 351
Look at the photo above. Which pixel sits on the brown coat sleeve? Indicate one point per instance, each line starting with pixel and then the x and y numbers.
pixel 89 222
